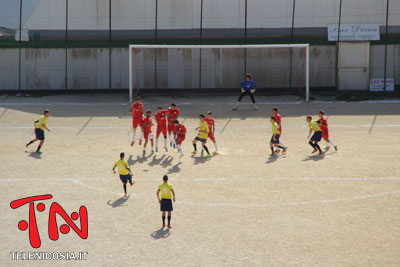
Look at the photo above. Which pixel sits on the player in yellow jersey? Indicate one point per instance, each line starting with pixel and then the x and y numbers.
pixel 40 125
pixel 167 193
pixel 202 136
pixel 316 137
pixel 124 171
pixel 275 138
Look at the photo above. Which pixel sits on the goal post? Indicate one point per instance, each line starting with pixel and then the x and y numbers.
pixel 145 62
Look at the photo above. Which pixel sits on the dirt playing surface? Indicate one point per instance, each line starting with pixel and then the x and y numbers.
pixel 239 208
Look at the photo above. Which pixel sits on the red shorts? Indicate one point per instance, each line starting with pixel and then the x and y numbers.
pixel 179 139
pixel 146 135
pixel 136 122
pixel 171 127
pixel 211 136
pixel 325 134
pixel 161 129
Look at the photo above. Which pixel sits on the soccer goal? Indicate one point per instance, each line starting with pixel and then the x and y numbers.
pixel 218 66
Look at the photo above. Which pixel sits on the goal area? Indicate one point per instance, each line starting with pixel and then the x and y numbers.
pixel 193 67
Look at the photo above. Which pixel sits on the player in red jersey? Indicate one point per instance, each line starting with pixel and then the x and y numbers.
pixel 148 123
pixel 137 118
pixel 211 126
pixel 180 134
pixel 173 114
pixel 161 119
pixel 323 124
pixel 278 120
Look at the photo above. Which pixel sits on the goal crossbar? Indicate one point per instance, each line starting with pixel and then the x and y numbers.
pixel 151 46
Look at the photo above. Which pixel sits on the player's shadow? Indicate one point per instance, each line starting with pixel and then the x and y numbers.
pixel 274 158
pixel 199 160
pixel 118 202
pixel 166 162
pixel 156 161
pixel 314 157
pixel 271 159
pixel 35 155
pixel 175 168
pixel 139 159
pixel 160 233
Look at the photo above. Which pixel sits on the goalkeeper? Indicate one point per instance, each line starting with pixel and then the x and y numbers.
pixel 247 87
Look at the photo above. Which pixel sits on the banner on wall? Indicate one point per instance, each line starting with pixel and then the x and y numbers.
pixel 378 85
pixel 354 32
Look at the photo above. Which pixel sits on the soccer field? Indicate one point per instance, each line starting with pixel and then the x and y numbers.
pixel 239 208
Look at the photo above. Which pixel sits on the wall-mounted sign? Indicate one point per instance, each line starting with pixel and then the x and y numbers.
pixel 354 32
pixel 378 85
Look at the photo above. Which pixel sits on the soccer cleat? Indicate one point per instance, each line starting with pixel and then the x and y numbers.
pixel 327 148
pixel 335 148
pixel 169 226
pixel 166 149
pixel 208 156
pixel 272 154
pixel 163 225
pixel 132 183
pixel 321 153
pixel 284 150
pixel 144 152
pixel 194 151
pixel 152 151
pixel 174 145
pixel 170 144
pixel 140 142
pixel 235 108
pixel 181 155
pixel 315 150
pixel 277 151
pixel 156 149
pixel 133 142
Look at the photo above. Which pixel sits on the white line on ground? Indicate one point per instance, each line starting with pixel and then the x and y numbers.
pixel 256 205
pixel 190 103
pixel 79 182
pixel 302 179
pixel 201 179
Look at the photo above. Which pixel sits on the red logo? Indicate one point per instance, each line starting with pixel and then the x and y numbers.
pixel 55 208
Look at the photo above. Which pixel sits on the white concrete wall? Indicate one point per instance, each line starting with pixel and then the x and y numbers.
pixel 133 14
pixel 185 14
pixel 316 13
pixel 275 14
pixel 364 11
pixel 8 69
pixel 88 68
pixel 179 14
pixel 377 61
pixel 42 69
pixel 223 14
pixel 48 15
pixel 88 14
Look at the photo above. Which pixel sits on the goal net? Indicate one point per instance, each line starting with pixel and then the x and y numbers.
pixel 194 67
